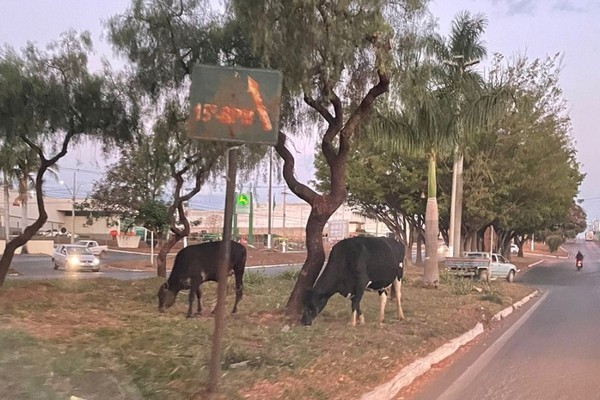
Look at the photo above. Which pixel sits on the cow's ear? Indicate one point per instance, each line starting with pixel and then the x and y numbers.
pixel 165 285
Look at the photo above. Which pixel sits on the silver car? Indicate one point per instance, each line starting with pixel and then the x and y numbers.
pixel 75 257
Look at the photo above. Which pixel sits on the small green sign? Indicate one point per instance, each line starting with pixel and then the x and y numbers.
pixel 242 203
pixel 243 199
pixel 235 104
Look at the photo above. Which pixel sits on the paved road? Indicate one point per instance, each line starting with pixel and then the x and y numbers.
pixel 41 267
pixel 550 350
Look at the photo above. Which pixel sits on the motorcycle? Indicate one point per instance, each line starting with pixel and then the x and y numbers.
pixel 579 264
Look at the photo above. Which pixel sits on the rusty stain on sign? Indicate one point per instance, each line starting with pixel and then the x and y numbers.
pixel 240 104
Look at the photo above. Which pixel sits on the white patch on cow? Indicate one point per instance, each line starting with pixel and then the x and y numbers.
pixel 400 265
pixel 353 321
pixel 368 284
pixel 187 282
pixel 203 276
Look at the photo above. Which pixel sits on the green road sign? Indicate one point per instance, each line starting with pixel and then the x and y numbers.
pixel 235 104
pixel 242 203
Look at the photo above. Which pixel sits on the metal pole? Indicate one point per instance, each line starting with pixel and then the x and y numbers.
pixel 270 217
pixel 152 248
pixel 251 221
pixel 6 210
pixel 452 207
pixel 224 255
pixel 73 209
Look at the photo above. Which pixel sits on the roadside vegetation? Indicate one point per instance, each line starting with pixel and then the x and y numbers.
pixel 99 339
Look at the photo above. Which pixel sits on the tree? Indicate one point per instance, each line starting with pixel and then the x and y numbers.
pixel 336 58
pixel 163 41
pixel 528 157
pixel 389 186
pixel 50 99
pixel 463 49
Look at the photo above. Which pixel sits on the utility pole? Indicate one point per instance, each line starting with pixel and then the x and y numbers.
pixel 74 192
pixel 285 194
pixel 269 234
pixel 6 210
pixel 456 205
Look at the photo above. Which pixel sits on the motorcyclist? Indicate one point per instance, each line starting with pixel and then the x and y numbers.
pixel 579 260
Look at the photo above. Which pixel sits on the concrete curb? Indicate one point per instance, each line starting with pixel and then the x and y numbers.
pixel 409 373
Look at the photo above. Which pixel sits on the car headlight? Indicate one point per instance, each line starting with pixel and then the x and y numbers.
pixel 74 260
pixel 95 262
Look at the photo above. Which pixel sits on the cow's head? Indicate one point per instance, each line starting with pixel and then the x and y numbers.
pixel 166 298
pixel 312 303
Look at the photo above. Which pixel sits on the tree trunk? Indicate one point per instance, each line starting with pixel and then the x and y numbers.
pixel 6 211
pixel 419 249
pixel 457 223
pixel 23 238
pixel 161 259
pixel 315 258
pixel 431 275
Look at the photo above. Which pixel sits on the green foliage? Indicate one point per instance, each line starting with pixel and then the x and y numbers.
pixel 554 242
pixel 153 215
pixel 535 188
pixel 457 285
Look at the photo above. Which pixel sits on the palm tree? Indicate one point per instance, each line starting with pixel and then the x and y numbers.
pixel 422 125
pixel 463 49
pixel 7 161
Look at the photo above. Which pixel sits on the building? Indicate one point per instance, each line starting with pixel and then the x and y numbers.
pixel 287 220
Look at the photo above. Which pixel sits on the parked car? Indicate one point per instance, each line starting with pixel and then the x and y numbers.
pixel 56 232
pixel 209 237
pixel 500 267
pixel 514 249
pixel 98 250
pixel 75 257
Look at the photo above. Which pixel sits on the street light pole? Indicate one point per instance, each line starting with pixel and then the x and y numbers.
pixel 73 209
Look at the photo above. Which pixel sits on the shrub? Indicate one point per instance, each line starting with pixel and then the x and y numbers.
pixel 553 242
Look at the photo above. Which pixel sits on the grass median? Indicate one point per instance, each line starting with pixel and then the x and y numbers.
pixel 104 339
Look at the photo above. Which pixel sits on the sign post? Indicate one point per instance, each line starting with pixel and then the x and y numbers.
pixel 239 105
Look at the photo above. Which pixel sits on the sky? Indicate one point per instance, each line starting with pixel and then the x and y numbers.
pixel 534 28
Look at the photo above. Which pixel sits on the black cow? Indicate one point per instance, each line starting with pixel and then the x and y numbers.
pixel 196 264
pixel 355 265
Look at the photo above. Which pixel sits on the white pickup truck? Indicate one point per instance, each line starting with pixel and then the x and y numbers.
pixel 99 251
pixel 481 265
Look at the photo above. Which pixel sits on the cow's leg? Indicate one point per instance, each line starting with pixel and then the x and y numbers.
pixel 356 308
pixel 239 290
pixel 397 285
pixel 199 295
pixel 194 289
pixel 383 295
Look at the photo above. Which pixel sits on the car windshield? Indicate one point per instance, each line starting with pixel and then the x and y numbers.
pixel 78 250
